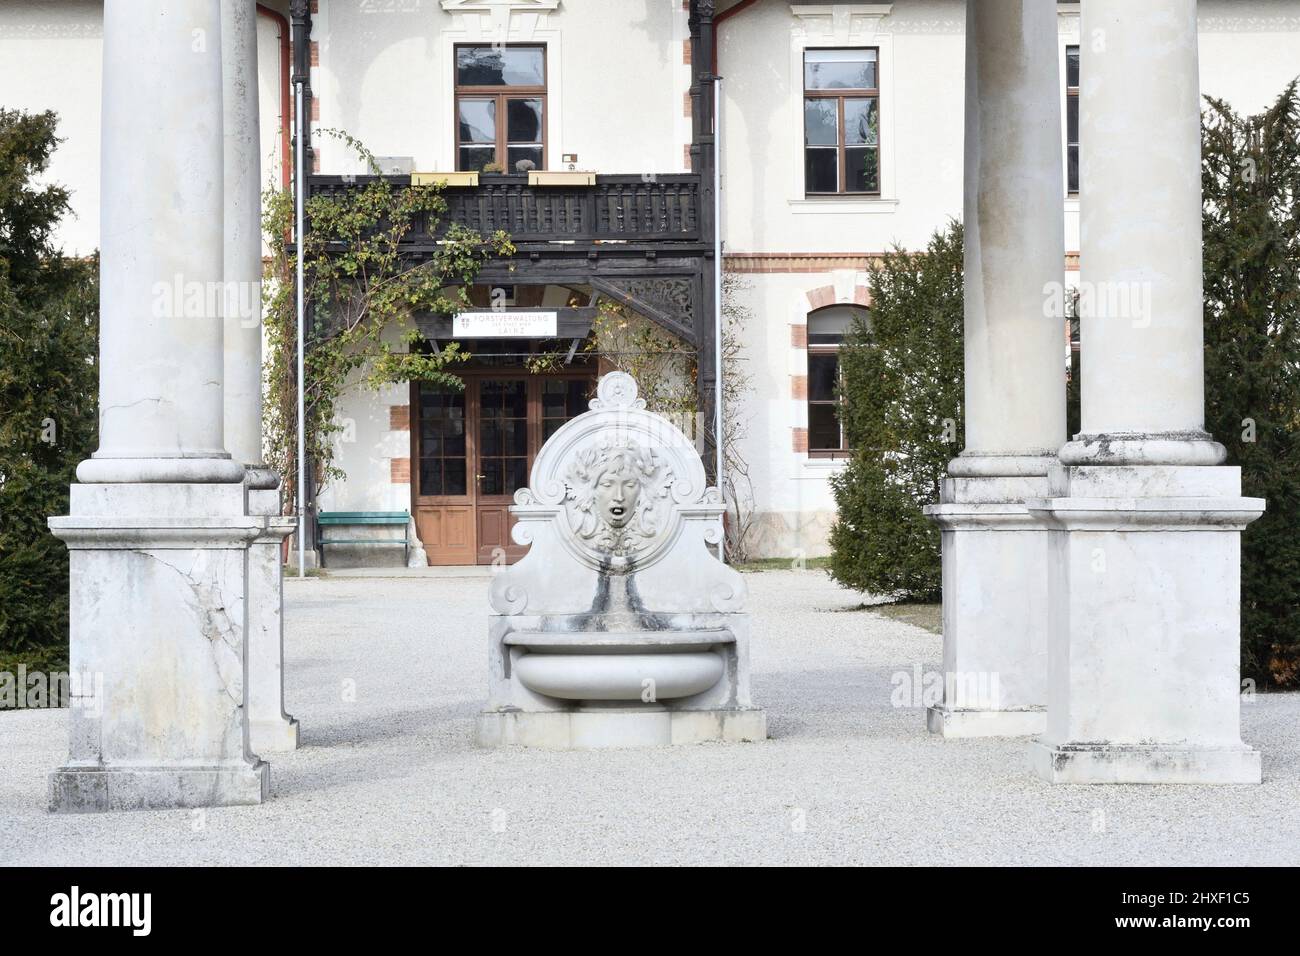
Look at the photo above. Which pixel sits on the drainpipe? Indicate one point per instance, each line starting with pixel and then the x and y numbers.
pixel 706 92
pixel 717 300
pixel 301 12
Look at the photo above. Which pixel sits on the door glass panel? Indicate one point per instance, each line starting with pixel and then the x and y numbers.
pixel 489 443
pixel 453 439
pixel 514 437
pixel 490 483
pixel 430 477
pixel 553 399
pixel 516 400
pixel 453 476
pixel 442 442
pixel 503 436
pixel 517 473
pixel 562 399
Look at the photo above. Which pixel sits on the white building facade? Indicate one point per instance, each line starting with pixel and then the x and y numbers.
pixel 841 135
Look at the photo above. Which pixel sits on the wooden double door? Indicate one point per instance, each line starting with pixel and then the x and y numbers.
pixel 473 449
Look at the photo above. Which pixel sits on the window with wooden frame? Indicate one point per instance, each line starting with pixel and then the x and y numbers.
pixel 1072 120
pixel 500 106
pixel 841 122
pixel 826 330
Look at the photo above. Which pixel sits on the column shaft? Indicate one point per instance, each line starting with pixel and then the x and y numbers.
pixel 1015 239
pixel 161 262
pixel 1140 304
pixel 994 555
pixel 243 232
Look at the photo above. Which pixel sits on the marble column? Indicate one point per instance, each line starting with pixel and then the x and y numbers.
pixel 270 729
pixel 158 532
pixel 994 554
pixel 1144 558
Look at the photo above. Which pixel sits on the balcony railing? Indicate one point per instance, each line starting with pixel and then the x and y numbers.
pixel 632 208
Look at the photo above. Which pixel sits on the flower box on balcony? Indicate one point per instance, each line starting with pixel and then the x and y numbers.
pixel 449 179
pixel 561 177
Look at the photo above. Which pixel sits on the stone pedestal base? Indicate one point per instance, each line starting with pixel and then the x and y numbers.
pixel 1143 650
pixel 274 736
pixel 994 608
pixel 271 730
pixel 311 558
pixel 158 631
pixel 986 723
pixel 95 789
pixel 1081 763
pixel 601 728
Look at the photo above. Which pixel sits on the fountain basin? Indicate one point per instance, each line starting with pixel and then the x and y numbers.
pixel 619 665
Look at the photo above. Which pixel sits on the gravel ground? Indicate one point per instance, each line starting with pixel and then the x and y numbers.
pixel 391 777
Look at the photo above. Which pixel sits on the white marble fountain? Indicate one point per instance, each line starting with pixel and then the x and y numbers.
pixel 620 627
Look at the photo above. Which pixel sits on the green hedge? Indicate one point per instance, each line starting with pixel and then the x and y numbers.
pixel 1251 183
pixel 901 385
pixel 48 389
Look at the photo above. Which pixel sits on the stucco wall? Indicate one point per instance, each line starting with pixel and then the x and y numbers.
pixel 616 81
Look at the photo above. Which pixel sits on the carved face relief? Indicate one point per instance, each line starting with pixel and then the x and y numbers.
pixel 617 492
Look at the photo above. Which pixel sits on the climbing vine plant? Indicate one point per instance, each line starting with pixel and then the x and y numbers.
pixel 363 291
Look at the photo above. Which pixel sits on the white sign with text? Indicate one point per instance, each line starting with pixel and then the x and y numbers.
pixel 505 325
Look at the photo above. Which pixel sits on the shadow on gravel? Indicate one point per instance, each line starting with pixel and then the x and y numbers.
pixel 369 728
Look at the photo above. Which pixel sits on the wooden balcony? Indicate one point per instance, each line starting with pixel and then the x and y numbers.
pixel 633 209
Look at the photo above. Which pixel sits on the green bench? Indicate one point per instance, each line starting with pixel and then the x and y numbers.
pixel 336 519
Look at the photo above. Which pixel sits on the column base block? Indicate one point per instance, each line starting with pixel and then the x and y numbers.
pixel 986 723
pixel 273 736
pixel 1118 763
pixel 97 789
pixel 994 603
pixel 311 559
pixel 612 728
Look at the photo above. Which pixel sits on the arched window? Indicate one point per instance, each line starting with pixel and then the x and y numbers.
pixel 826 330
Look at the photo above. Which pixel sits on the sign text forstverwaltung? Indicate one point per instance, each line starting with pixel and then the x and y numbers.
pixel 505 325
